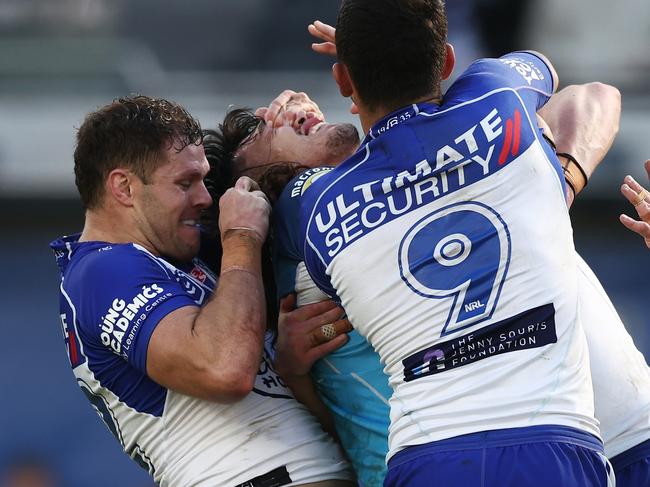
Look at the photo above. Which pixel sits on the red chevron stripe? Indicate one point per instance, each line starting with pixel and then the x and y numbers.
pixel 506 143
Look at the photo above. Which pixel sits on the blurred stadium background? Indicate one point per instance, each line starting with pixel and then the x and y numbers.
pixel 60 59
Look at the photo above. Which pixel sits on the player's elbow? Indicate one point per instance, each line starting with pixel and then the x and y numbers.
pixel 610 98
pixel 603 91
pixel 229 386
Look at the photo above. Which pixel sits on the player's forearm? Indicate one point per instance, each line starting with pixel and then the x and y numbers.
pixel 230 327
pixel 584 120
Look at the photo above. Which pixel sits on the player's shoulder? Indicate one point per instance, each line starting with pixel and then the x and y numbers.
pixel 513 70
pixel 303 182
pixel 97 262
pixel 296 192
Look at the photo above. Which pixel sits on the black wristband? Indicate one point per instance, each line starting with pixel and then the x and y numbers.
pixel 573 159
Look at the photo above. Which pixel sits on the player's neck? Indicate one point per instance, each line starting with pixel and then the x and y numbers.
pixel 368 117
pixel 104 226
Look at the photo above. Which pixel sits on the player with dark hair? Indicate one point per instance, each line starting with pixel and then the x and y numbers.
pixel 178 368
pixel 350 380
pixel 472 304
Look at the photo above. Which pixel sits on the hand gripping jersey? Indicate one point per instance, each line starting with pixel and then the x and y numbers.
pixel 447 241
pixel 350 380
pixel 112 297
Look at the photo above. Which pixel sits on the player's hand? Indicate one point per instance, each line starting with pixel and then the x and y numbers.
pixel 244 208
pixel 325 33
pixel 292 109
pixel 307 334
pixel 640 198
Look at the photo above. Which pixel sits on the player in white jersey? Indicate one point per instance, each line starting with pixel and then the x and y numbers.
pixel 473 308
pixel 599 107
pixel 183 379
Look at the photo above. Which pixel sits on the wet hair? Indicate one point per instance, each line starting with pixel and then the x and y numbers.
pixel 221 146
pixel 132 132
pixel 394 49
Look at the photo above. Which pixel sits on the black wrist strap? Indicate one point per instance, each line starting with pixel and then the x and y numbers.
pixel 577 164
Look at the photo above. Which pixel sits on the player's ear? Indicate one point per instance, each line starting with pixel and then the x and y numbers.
pixel 119 184
pixel 343 80
pixel 450 61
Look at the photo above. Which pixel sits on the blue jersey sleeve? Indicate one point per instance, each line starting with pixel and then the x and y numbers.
pixel 314 261
pixel 126 292
pixel 524 72
pixel 288 239
pixel 286 251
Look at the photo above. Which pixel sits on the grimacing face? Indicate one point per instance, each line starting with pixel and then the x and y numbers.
pixel 325 145
pixel 169 207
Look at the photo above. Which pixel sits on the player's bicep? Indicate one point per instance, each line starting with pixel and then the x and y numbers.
pixel 181 358
pixel 168 362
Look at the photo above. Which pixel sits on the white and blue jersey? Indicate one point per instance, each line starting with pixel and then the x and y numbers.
pixel 621 392
pixel 350 380
pixel 447 241
pixel 112 296
pixel 621 379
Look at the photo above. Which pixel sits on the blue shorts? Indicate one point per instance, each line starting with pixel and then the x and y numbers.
pixel 537 456
pixel 632 467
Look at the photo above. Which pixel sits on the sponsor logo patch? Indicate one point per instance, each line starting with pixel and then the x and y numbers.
pixel 525 68
pixel 123 316
pixel 306 179
pixel 198 274
pixel 531 329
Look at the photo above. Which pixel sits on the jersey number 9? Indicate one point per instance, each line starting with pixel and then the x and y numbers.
pixel 460 252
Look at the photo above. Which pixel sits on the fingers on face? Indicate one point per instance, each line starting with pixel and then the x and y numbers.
pixel 276 106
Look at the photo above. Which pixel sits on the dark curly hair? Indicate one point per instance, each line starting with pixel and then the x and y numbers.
pixel 132 132
pixel 221 145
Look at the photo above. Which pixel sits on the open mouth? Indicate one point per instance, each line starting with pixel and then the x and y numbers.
pixel 311 126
